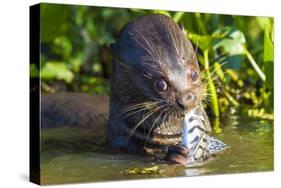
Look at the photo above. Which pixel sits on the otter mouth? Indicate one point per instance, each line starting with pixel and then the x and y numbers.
pixel 167 133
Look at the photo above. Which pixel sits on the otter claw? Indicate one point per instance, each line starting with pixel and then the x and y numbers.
pixel 177 154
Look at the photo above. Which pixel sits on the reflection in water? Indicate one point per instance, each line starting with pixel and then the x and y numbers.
pixel 194 172
pixel 71 155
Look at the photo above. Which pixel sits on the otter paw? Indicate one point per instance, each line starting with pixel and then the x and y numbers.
pixel 177 154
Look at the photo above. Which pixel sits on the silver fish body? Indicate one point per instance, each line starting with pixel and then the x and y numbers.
pixel 196 139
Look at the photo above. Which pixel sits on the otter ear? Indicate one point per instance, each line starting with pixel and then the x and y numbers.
pixel 182 29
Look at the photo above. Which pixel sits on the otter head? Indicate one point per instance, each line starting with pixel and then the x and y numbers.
pixel 155 67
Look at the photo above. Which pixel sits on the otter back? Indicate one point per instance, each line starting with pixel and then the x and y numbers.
pixel 74 109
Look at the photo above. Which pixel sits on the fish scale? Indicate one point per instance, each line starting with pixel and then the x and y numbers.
pixel 196 139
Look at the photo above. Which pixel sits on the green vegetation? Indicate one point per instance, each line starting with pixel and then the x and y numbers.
pixel 235 54
pixel 144 170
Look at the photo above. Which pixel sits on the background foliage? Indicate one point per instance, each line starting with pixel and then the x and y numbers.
pixel 235 53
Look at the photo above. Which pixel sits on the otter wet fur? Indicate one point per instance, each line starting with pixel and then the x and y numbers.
pixel 155 82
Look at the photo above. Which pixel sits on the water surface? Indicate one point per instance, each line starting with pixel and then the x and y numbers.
pixel 71 155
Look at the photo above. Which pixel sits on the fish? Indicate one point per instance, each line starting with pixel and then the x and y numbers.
pixel 196 138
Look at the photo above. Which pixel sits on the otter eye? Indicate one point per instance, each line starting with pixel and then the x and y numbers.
pixel 161 85
pixel 194 75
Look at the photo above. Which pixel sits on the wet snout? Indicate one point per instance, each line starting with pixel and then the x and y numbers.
pixel 186 100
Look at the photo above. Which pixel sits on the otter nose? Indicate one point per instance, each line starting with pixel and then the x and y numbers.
pixel 186 101
pixel 180 104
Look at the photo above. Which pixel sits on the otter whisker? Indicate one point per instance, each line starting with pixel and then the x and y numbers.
pixel 136 106
pixel 217 86
pixel 154 123
pixel 196 47
pixel 131 108
pixel 130 68
pixel 206 100
pixel 126 66
pixel 140 105
pixel 174 42
pixel 172 110
pixel 207 89
pixel 153 54
pixel 209 95
pixel 213 77
pixel 166 118
pixel 216 69
pixel 137 111
pixel 175 49
pixel 141 121
pixel 159 100
pixel 156 53
pixel 146 116
pixel 178 40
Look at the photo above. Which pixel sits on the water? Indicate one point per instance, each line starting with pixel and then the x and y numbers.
pixel 73 155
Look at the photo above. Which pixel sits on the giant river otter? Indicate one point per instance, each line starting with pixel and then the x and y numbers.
pixel 155 81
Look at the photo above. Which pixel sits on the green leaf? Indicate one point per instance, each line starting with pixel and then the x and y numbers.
pixel 229 46
pixel 233 44
pixel 234 62
pixel 265 23
pixel 202 41
pixel 226 37
pixel 164 12
pixel 56 70
pixel 268 48
pixel 177 16
pixel 238 36
pixel 221 32
pixel 268 59
pixel 62 46
pixel 231 41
